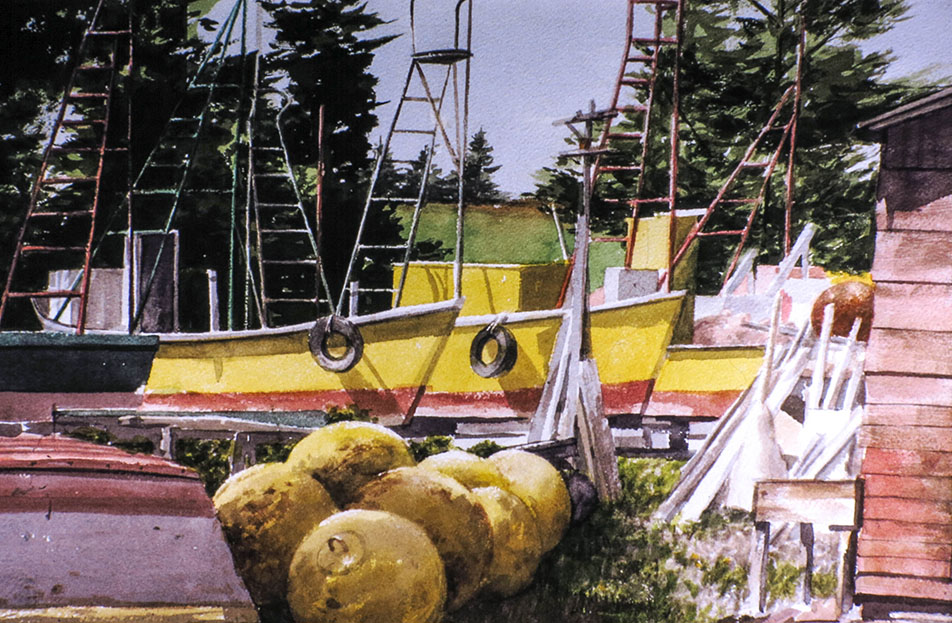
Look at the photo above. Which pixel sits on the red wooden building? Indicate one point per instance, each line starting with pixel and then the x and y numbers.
pixel 905 544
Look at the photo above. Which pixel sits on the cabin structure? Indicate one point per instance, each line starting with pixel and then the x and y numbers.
pixel 905 544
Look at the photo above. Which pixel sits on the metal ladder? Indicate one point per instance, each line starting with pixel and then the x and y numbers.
pixel 627 130
pixel 433 76
pixel 290 273
pixel 86 152
pixel 748 183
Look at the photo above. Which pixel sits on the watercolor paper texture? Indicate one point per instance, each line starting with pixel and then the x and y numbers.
pixel 473 310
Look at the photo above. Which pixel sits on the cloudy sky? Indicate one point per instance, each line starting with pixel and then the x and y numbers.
pixel 537 61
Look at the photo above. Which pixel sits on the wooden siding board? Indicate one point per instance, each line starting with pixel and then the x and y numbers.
pixel 891 309
pixel 933 216
pixel 889 530
pixel 908 415
pixel 905 549
pixel 908 390
pixel 913 257
pixel 907 463
pixel 908 487
pixel 908 351
pixel 937 515
pixel 939 569
pixel 915 588
pixel 927 438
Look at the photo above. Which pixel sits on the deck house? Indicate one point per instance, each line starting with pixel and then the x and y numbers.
pixel 905 544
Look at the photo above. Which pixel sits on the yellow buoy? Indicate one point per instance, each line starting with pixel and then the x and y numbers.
pixel 467 469
pixel 347 455
pixel 451 517
pixel 537 483
pixel 517 546
pixel 363 566
pixel 265 511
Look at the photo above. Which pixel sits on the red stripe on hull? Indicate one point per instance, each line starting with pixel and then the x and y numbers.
pixel 699 404
pixel 618 399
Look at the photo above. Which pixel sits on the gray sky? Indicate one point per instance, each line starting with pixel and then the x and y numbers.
pixel 537 61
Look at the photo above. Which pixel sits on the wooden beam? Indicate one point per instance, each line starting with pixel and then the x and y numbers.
pixel 828 503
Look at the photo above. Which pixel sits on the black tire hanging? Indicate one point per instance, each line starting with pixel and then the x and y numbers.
pixel 506 351
pixel 323 329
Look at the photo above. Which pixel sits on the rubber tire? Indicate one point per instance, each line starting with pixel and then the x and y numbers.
pixel 317 342
pixel 506 352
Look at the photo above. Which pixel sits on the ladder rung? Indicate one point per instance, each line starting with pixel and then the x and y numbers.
pixel 628 136
pixel 80 96
pixel 288 262
pixel 165 165
pixel 271 175
pixel 631 109
pixel 376 289
pixel 107 33
pixel 654 42
pixel 636 82
pixel 85 150
pixel 67 180
pixel 652 200
pixel 640 58
pixel 384 247
pixel 206 85
pixel 738 201
pixel 411 131
pixel 284 231
pixel 46 294
pixel 727 232
pixel 664 4
pixel 395 199
pixel 183 120
pixel 95 67
pixel 614 168
pixel 154 191
pixel 278 205
pixel 756 165
pixel 267 149
pixel 610 239
pixel 82 122
pixel 416 98
pixel 270 300
pixel 47 249
pixel 62 213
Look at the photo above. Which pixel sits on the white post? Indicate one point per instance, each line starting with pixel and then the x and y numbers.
pixel 213 324
pixel 354 293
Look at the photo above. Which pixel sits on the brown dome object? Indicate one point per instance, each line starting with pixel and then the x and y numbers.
pixel 450 515
pixel 364 566
pixel 467 469
pixel 537 483
pixel 347 455
pixel 265 511
pixel 851 300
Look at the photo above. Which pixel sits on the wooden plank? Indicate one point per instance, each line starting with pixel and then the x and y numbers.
pixel 933 216
pixel 806 501
pixel 908 390
pixel 907 463
pixel 904 566
pixel 913 257
pixel 891 306
pixel 916 588
pixel 914 532
pixel 912 511
pixel 910 352
pixel 918 487
pixel 905 549
pixel 908 415
pixel 927 438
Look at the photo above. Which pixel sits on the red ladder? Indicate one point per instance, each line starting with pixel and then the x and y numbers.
pixel 761 159
pixel 627 132
pixel 68 191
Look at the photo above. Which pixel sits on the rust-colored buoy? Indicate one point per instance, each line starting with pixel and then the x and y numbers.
pixel 851 300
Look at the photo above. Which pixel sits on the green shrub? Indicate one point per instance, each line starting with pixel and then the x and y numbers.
pixel 434 444
pixel 209 457
pixel 486 448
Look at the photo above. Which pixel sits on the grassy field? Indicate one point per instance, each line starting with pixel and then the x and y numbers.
pixel 507 235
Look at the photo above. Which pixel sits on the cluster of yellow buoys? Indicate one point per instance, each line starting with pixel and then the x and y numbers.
pixel 351 529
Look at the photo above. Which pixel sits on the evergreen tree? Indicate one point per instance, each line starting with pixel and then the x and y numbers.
pixel 738 58
pixel 478 184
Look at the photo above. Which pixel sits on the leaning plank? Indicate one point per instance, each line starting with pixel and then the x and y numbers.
pixel 908 415
pixel 881 485
pixel 906 549
pixel 907 438
pixel 907 566
pixel 908 531
pixel 910 352
pixel 912 256
pixel 898 587
pixel 907 463
pixel 891 306
pixel 909 390
pixel 913 511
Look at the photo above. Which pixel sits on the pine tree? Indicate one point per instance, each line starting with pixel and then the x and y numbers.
pixel 478 184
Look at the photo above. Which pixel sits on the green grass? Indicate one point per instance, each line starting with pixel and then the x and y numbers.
pixel 507 235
